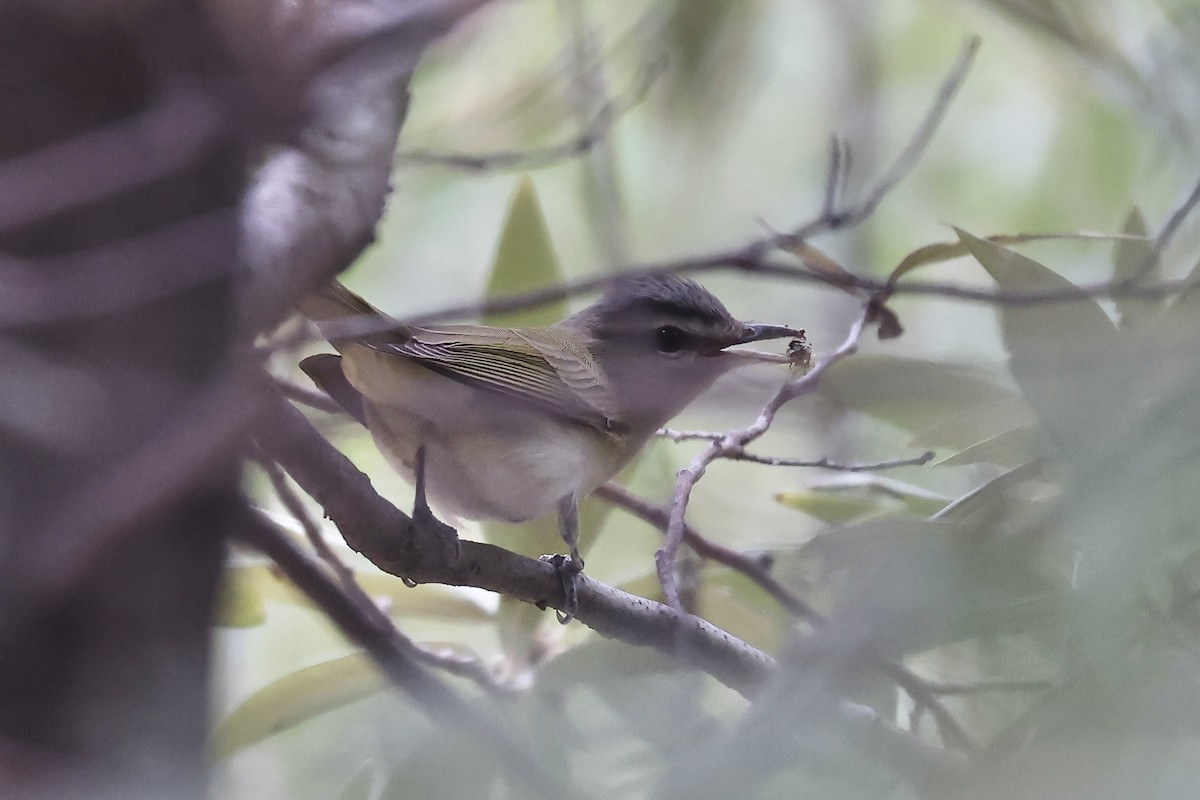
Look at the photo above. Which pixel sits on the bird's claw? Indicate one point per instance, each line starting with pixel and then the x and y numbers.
pixel 569 569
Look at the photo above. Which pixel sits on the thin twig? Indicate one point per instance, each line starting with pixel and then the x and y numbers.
pixel 824 463
pixel 594 132
pixel 918 143
pixel 741 454
pixel 758 569
pixel 733 441
pixel 676 435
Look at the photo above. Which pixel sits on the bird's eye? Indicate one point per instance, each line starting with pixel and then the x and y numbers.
pixel 670 339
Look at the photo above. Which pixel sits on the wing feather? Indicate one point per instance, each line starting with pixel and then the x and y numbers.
pixel 539 366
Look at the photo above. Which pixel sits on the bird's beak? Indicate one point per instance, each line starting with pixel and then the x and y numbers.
pixel 757 332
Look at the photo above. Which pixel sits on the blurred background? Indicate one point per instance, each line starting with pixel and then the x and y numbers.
pixel 717 118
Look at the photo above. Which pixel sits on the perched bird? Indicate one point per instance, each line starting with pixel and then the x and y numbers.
pixel 512 423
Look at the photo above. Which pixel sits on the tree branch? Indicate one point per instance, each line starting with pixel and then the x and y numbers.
pixel 395 655
pixel 394 543
pixel 758 569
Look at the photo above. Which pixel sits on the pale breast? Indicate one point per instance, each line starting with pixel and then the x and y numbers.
pixel 494 459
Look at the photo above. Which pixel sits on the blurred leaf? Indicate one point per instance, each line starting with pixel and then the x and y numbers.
pixel 991 496
pixel 976 424
pixel 850 497
pixel 735 603
pixel 910 393
pixel 361 785
pixel 914 583
pixel 1065 356
pixel 428 600
pixel 445 764
pixel 833 509
pixel 240 601
pixel 525 261
pixel 940 252
pixel 1135 260
pixel 1008 449
pixel 1184 311
pixel 706 37
pixel 599 660
pixel 296 698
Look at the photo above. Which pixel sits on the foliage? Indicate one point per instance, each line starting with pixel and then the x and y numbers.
pixel 1042 576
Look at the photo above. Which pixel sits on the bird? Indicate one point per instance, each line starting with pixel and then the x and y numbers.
pixel 510 424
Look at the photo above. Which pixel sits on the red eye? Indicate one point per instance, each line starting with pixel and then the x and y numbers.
pixel 670 339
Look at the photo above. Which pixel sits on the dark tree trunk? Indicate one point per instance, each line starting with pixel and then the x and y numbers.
pixel 119 178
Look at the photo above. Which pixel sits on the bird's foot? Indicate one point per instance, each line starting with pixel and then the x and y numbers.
pixel 569 569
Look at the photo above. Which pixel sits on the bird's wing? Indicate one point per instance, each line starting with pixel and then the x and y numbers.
pixel 536 365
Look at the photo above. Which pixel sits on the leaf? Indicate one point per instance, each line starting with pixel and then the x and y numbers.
pixel 296 698
pixel 240 602
pixel 734 603
pixel 843 499
pixel 1007 449
pixel 995 493
pixel 940 252
pixel 428 600
pixel 598 661
pixel 1134 260
pixel 525 261
pixel 1065 356
pixel 832 509
pixel 916 583
pixel 976 424
pixel 910 393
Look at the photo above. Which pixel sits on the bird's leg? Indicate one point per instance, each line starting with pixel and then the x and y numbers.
pixel 569 569
pixel 421 508
pixel 423 516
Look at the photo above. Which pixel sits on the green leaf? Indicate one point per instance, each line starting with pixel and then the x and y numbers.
pixel 916 583
pixel 910 393
pixel 525 261
pixel 598 661
pixel 427 600
pixel 1007 449
pixel 240 602
pixel 296 698
pixel 832 509
pixel 976 424
pixel 1135 260
pixel 991 496
pixel 1066 356
pixel 850 497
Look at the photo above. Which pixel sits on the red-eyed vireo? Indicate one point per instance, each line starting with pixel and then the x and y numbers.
pixel 519 422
